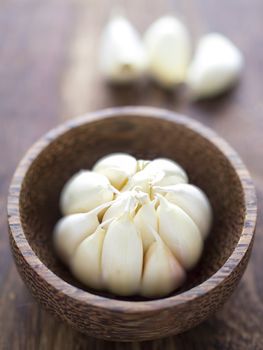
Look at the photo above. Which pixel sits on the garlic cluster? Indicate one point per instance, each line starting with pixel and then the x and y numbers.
pixel 132 226
pixel 165 54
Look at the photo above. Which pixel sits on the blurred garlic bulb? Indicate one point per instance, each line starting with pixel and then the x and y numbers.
pixel 122 56
pixel 168 46
pixel 193 201
pixel 84 191
pixel 162 273
pixel 180 233
pixel 216 66
pixel 70 231
pixel 122 257
pixel 117 167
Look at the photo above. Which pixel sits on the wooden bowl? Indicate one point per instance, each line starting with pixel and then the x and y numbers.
pixel 147 133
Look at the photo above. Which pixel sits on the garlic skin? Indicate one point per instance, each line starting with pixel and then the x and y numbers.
pixel 122 55
pixel 86 262
pixel 117 167
pixel 122 257
pixel 85 191
pixel 193 201
pixel 168 46
pixel 162 273
pixel 216 66
pixel 118 205
pixel 180 233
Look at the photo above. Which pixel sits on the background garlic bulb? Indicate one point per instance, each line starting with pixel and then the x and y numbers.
pixel 140 240
pixel 168 47
pixel 122 56
pixel 216 66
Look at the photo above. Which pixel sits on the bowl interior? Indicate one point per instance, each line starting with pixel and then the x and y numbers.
pixel 142 137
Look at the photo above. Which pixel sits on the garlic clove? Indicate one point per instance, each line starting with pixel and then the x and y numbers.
pixel 120 203
pixel 162 273
pixel 117 167
pixel 194 202
pixel 86 261
pixel 122 55
pixel 168 46
pixel 122 257
pixel 85 191
pixel 216 66
pixel 145 220
pixel 70 231
pixel 141 180
pixel 141 164
pixel 180 233
pixel 168 167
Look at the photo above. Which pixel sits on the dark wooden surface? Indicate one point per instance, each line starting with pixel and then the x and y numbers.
pixel 48 74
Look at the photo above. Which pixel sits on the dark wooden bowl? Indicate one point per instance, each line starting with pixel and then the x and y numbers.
pixel 147 133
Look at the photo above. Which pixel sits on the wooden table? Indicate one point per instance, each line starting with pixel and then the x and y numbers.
pixel 48 73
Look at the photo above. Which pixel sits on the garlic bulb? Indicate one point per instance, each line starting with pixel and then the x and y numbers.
pixel 216 66
pixel 117 167
pixel 193 201
pixel 180 233
pixel 122 56
pixel 122 257
pixel 138 238
pixel 85 191
pixel 168 46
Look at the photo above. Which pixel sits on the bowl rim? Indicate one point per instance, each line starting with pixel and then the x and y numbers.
pixel 242 248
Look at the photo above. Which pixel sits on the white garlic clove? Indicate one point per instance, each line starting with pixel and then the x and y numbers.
pixel 122 55
pixel 85 191
pixel 194 202
pixel 86 261
pixel 216 66
pixel 70 231
pixel 141 164
pixel 145 219
pixel 168 46
pixel 122 257
pixel 141 180
pixel 180 233
pixel 117 167
pixel 120 203
pixel 162 273
pixel 168 167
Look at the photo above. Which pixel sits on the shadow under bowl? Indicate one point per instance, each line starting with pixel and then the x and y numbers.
pixel 145 133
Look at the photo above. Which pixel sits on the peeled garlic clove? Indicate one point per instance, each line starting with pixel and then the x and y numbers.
pixel 85 191
pixel 70 231
pixel 145 219
pixel 168 167
pixel 168 46
pixel 216 66
pixel 180 233
pixel 117 167
pixel 86 261
pixel 122 257
pixel 162 273
pixel 194 202
pixel 122 56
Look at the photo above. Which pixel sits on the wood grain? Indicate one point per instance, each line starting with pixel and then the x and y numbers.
pixel 36 44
